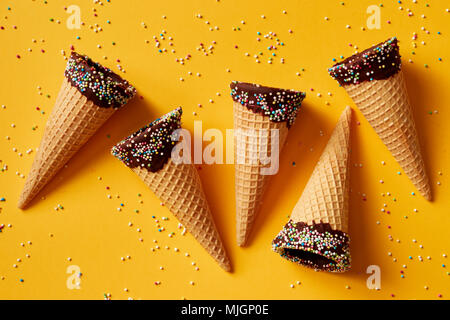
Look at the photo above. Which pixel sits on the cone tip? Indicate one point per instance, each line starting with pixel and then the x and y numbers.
pixel 424 187
pixel 22 203
pixel 226 266
pixel 241 240
pixel 427 196
pixel 348 111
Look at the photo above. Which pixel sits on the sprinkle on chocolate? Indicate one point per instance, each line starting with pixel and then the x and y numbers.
pixel 376 63
pixel 278 104
pixel 317 246
pixel 97 83
pixel 151 146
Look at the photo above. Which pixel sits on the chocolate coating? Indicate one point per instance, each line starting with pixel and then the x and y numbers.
pixel 97 83
pixel 278 104
pixel 316 246
pixel 376 63
pixel 151 146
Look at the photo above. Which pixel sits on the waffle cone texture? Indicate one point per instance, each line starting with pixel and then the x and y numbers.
pixel 73 121
pixel 179 187
pixel 250 184
pixel 325 197
pixel 316 234
pixel 385 104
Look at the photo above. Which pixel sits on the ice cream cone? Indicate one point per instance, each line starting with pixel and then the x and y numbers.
pixel 316 234
pixel 385 104
pixel 383 100
pixel 254 109
pixel 249 183
pixel 148 153
pixel 74 119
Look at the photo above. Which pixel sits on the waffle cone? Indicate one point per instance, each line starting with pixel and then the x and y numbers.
pixel 73 121
pixel 249 183
pixel 180 188
pixel 385 104
pixel 325 197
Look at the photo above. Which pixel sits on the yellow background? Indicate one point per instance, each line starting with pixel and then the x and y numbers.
pixel 91 231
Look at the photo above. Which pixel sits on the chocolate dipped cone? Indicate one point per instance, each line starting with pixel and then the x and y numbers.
pixel 89 95
pixel 316 233
pixel 375 82
pixel 258 110
pixel 148 153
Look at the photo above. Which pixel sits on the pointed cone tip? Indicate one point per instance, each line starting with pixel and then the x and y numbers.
pixel 226 266
pixel 21 204
pixel 24 200
pixel 241 243
pixel 427 196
